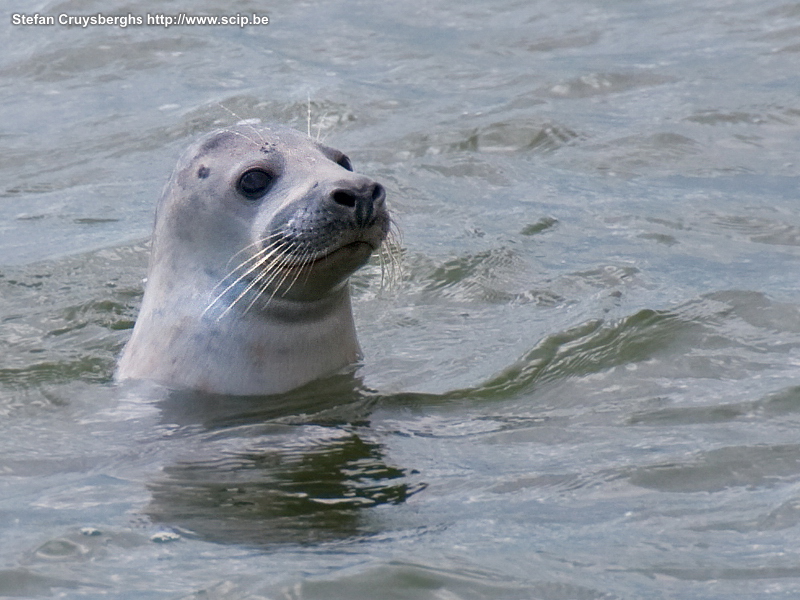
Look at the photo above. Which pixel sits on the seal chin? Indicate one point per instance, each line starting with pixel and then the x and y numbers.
pixel 355 251
pixel 314 279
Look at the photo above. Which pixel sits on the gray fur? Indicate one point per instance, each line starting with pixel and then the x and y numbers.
pixel 250 296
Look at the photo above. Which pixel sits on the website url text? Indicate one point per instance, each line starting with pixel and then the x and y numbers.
pixel 158 19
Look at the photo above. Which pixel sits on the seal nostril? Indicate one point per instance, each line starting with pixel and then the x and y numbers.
pixel 344 198
pixel 377 192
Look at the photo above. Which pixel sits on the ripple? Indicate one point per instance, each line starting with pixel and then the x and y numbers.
pixel 575 40
pixel 715 470
pixel 66 61
pixel 479 276
pixel 272 495
pixel 542 225
pixel 588 348
pixel 85 368
pixel 761 230
pixel 725 118
pixel 63 318
pixel 441 579
pixel 508 136
pixel 24 583
pixel 603 84
pixel 631 153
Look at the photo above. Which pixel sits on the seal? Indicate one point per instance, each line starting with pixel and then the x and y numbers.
pixel 256 235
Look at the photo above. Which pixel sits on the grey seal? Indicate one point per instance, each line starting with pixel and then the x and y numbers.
pixel 255 237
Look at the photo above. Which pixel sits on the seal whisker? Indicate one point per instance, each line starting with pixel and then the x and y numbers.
pixel 271 272
pixel 248 138
pixel 319 126
pixel 305 260
pixel 264 280
pixel 384 259
pixel 308 115
pixel 390 256
pixel 308 120
pixel 284 275
pixel 252 284
pixel 275 237
pixel 244 122
pixel 259 259
pixel 256 258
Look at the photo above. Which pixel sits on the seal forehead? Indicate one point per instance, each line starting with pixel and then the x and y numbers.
pixel 214 141
pixel 247 140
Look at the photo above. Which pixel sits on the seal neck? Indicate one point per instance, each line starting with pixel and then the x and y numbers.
pixel 269 350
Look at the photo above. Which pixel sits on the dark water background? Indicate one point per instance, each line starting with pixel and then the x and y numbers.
pixel 586 374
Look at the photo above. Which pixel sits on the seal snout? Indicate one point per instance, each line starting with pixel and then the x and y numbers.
pixel 361 200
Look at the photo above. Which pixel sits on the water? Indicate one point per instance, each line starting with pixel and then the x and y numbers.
pixel 584 380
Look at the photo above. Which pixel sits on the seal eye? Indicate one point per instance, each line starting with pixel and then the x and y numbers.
pixel 345 163
pixel 254 183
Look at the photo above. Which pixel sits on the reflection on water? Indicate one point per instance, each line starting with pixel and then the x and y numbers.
pixel 268 497
pixel 334 400
pixel 296 469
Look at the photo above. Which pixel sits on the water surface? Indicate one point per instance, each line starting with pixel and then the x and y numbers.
pixel 582 382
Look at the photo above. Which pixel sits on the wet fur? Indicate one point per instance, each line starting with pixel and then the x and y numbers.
pixel 245 298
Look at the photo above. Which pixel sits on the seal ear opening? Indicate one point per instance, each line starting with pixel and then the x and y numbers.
pixel 254 183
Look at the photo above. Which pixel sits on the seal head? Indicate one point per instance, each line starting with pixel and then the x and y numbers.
pixel 256 235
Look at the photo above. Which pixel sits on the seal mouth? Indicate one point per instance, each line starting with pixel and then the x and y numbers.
pixel 297 277
pixel 353 247
pixel 357 252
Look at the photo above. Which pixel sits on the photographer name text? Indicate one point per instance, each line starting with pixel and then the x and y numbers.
pixel 160 20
